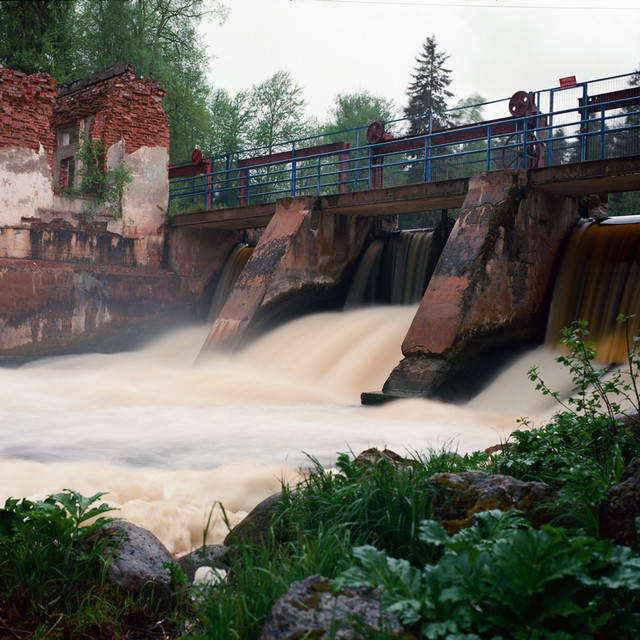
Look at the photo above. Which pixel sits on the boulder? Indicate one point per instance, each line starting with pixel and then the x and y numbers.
pixel 255 527
pixel 385 458
pixel 459 496
pixel 206 556
pixel 137 561
pixel 619 512
pixel 309 610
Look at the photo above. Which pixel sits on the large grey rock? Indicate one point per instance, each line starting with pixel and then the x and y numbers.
pixel 137 563
pixel 309 610
pixel 255 527
pixel 459 496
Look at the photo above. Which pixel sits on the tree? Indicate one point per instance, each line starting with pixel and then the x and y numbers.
pixel 230 122
pixel 428 93
pixel 469 110
pixel 353 110
pixel 160 37
pixel 39 36
pixel 278 111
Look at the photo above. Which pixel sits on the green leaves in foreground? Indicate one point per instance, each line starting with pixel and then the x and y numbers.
pixel 503 579
pixel 47 564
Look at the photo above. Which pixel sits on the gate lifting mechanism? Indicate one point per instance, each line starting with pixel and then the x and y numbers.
pixel 519 132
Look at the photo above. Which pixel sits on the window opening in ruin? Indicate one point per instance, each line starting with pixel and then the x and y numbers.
pixel 67 173
pixel 68 138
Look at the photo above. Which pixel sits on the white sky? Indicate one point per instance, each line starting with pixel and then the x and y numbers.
pixel 495 47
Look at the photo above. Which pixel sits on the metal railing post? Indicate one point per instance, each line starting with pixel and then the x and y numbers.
pixel 584 116
pixel 293 168
pixel 602 133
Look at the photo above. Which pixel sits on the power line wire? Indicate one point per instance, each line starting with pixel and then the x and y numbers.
pixel 469 5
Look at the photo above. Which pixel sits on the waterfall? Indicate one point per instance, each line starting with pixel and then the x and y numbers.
pixel 364 283
pixel 231 271
pixel 410 254
pixel 599 279
pixel 393 270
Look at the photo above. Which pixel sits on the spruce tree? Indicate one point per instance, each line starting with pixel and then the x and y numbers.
pixel 428 93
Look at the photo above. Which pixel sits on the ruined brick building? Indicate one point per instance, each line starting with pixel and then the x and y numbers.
pixel 61 277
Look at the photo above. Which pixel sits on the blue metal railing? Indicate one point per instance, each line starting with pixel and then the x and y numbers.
pixel 592 120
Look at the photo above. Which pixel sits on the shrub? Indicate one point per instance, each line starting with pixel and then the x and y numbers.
pixel 48 568
pixel 503 579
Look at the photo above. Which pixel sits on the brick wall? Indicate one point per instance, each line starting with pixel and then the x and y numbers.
pixel 123 106
pixel 26 103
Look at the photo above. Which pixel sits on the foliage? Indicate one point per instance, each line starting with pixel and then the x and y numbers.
pixel 230 119
pixel 104 186
pixel 49 566
pixel 260 574
pixel 358 110
pixel 624 203
pixel 38 36
pixel 161 38
pixel 277 107
pixel 503 579
pixel 428 93
pixel 378 504
pixel 596 391
pixel 584 448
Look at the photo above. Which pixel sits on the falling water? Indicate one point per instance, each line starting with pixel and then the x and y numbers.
pixel 169 441
pixel 232 269
pixel 599 279
pixel 365 281
pixel 395 270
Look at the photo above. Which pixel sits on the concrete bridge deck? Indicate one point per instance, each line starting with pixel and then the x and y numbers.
pixel 573 180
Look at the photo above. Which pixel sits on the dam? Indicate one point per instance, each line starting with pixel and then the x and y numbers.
pixel 276 383
pixel 78 279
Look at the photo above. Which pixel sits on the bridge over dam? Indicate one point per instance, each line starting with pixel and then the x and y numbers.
pixel 489 291
pixel 520 183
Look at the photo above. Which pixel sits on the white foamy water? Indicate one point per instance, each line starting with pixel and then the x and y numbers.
pixel 169 441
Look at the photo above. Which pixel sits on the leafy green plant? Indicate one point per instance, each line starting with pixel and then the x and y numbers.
pixel 583 450
pixel 378 503
pixel 502 578
pixel 102 186
pixel 597 390
pixel 48 562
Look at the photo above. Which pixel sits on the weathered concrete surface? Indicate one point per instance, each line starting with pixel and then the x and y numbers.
pixel 490 285
pixel 26 184
pixel 49 307
pixel 146 198
pixel 199 254
pixel 303 253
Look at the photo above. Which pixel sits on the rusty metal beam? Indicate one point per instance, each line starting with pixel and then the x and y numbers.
pixel 612 100
pixel 298 154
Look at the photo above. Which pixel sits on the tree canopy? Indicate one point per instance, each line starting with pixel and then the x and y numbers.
pixel 428 93
pixel 70 39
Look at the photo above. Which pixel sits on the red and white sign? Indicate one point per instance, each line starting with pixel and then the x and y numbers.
pixel 569 81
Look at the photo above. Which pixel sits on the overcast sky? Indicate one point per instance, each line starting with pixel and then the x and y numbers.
pixel 495 47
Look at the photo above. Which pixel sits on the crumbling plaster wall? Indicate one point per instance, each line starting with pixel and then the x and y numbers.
pixel 26 144
pixel 113 106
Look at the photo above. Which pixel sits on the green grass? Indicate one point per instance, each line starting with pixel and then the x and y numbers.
pixel 370 524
